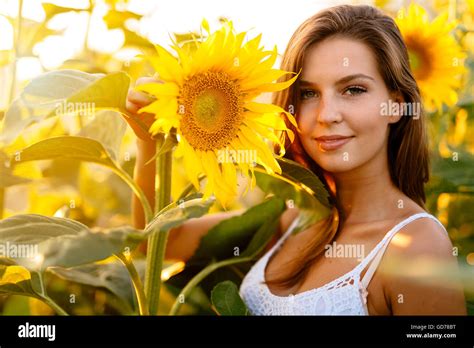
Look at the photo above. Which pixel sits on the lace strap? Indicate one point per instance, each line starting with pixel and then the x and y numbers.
pixel 382 246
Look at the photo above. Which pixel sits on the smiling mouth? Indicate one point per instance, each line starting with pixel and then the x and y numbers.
pixel 333 142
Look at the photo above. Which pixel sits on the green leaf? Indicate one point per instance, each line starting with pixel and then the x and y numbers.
pixel 53 241
pixel 15 280
pixel 79 148
pixel 302 187
pixel 296 182
pixel 112 276
pixel 40 97
pixel 108 128
pixel 177 213
pixel 108 92
pixel 116 19
pixel 237 232
pixel 52 10
pixel 451 176
pixel 84 149
pixel 16 305
pixel 261 238
pixel 136 40
pixel 6 176
pixel 32 32
pixel 64 92
pixel 299 174
pixel 226 300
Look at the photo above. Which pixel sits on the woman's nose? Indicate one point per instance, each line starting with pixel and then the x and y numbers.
pixel 328 111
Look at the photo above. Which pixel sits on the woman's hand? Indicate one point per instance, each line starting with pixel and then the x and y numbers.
pixel 135 101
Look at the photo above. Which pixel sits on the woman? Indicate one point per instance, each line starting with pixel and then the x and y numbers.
pixel 374 161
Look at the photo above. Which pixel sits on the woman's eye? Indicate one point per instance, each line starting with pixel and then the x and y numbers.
pixel 355 90
pixel 307 94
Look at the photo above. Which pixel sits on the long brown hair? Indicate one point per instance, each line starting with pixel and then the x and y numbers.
pixel 407 144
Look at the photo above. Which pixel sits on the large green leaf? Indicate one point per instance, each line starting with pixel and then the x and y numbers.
pixel 108 128
pixel 52 241
pixel 236 232
pixel 108 92
pixel 112 276
pixel 452 176
pixel 262 237
pixel 65 92
pixel 226 299
pixel 72 147
pixel 257 243
pixel 302 187
pixel 306 178
pixel 40 98
pixel 296 182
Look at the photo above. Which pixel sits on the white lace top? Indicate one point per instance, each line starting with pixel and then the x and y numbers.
pixel 346 295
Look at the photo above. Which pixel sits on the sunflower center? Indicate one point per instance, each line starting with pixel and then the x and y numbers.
pixel 208 108
pixel 211 110
pixel 414 60
pixel 420 59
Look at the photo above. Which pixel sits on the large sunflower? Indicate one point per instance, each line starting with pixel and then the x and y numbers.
pixel 207 96
pixel 436 58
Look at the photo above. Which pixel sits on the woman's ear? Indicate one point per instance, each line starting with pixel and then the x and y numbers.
pixel 397 109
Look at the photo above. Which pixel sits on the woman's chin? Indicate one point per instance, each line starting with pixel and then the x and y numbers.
pixel 335 165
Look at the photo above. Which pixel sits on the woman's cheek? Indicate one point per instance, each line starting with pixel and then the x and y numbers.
pixel 371 131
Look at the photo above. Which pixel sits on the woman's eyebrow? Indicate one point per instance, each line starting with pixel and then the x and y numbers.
pixel 341 81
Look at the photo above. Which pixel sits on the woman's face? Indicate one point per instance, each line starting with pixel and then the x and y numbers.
pixel 340 99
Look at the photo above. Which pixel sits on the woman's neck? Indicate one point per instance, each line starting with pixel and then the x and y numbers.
pixel 367 194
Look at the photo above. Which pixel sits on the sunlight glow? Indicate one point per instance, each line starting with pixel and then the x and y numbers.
pixel 6 33
pixel 28 68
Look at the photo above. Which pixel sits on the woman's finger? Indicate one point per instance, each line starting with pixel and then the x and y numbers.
pixel 146 79
pixel 132 107
pixel 139 98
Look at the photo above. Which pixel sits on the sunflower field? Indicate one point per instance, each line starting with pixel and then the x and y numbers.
pixel 69 241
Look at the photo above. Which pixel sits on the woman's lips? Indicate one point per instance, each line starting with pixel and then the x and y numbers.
pixel 330 143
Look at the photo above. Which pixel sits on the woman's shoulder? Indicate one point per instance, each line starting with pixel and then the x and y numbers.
pixel 424 236
pixel 420 267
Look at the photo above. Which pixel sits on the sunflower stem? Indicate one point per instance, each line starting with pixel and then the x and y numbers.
pixel 16 50
pixel 2 201
pixel 157 241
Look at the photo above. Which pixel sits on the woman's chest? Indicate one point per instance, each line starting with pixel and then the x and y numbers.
pixel 337 264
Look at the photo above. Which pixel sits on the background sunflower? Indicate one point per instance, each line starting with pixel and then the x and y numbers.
pixel 436 58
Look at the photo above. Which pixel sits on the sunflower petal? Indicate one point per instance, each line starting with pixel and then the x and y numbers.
pixel 160 89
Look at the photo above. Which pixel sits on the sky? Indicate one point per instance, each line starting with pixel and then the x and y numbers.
pixel 276 19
